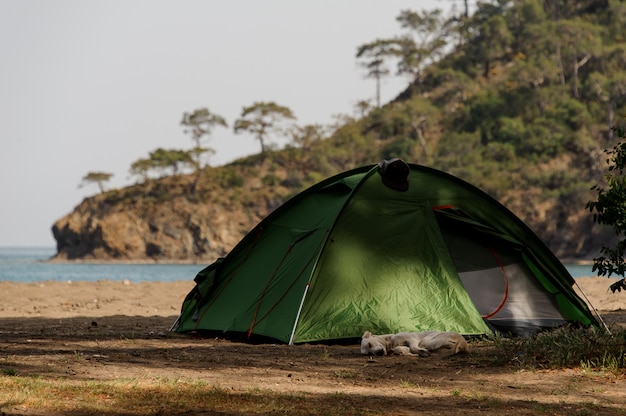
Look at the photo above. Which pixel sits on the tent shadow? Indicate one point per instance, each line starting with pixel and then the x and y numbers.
pixel 36 346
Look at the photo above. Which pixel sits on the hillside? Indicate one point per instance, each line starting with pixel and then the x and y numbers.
pixel 520 105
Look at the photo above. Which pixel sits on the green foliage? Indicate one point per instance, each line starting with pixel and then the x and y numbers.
pixel 99 178
pixel 199 124
pixel 393 123
pixel 372 57
pixel 262 119
pixel 494 180
pixel 348 147
pixel 163 162
pixel 401 147
pixel 572 113
pixel 458 151
pixel 305 136
pixel 543 139
pixel 509 130
pixel 270 180
pixel 502 153
pixel 610 209
pixel 230 178
pixel 422 44
pixel 484 110
pixel 141 168
pixel 568 347
pixel 163 159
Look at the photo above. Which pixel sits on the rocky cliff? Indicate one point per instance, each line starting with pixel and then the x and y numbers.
pixel 177 230
pixel 162 221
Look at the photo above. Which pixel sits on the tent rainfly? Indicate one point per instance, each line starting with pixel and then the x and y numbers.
pixel 386 248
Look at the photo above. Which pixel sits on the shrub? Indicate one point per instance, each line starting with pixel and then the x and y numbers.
pixel 270 180
pixel 569 347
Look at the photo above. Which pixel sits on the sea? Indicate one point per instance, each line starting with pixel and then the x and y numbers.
pixel 28 265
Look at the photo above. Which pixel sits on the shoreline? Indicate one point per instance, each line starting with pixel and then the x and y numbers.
pixel 54 260
pixel 127 261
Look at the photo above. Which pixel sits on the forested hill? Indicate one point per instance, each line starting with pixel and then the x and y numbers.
pixel 517 98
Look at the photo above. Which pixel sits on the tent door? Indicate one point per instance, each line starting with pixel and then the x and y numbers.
pixel 493 271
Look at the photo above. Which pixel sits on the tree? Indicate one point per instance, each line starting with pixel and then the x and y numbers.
pixel 610 209
pixel 457 27
pixel 493 42
pixel 303 147
pixel 200 124
pixel 453 90
pixel 98 178
pixel 262 119
pixel 423 44
pixel 163 159
pixel 141 168
pixel 373 55
pixel 616 15
pixel 575 42
pixel 609 86
pixel 422 115
pixel 363 107
pixel 305 136
pixel 465 13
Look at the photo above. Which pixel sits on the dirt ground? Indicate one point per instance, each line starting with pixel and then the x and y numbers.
pixel 70 339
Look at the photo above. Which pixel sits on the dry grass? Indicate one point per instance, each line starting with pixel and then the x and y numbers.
pixel 163 396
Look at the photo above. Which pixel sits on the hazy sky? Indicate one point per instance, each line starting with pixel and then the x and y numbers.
pixel 96 85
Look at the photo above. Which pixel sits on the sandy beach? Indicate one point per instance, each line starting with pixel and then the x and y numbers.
pixel 102 298
pixel 108 298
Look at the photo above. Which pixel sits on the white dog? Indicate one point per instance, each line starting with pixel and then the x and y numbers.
pixel 411 343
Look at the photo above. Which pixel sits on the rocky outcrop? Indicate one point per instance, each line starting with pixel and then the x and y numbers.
pixel 173 231
pixel 124 226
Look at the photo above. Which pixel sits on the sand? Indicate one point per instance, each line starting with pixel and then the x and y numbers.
pixel 109 298
pixel 102 298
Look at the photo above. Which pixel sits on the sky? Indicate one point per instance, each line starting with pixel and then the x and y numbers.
pixel 92 86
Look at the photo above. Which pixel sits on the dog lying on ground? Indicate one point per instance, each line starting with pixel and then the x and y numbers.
pixel 411 343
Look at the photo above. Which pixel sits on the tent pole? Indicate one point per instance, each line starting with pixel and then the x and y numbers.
pixel 293 331
pixel 592 307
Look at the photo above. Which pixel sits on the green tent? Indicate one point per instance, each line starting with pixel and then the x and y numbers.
pixel 386 248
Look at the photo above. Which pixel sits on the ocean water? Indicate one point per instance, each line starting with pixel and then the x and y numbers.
pixel 27 264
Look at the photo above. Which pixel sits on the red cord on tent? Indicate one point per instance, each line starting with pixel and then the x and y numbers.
pixel 442 207
pixel 259 234
pixel 506 285
pixel 256 319
pixel 293 282
pixel 267 285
